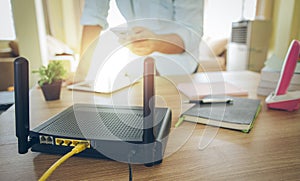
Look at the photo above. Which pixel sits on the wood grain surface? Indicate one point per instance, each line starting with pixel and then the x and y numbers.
pixel 271 151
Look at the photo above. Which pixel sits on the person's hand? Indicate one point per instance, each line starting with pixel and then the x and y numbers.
pixel 141 41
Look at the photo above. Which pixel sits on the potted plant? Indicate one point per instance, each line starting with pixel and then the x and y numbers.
pixel 51 77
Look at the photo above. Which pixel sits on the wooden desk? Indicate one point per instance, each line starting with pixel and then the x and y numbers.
pixel 271 151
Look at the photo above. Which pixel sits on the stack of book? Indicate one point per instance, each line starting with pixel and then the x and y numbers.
pixel 270 75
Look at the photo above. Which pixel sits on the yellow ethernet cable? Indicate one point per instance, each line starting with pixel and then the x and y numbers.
pixel 77 149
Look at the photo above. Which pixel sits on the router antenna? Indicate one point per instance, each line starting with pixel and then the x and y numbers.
pixel 149 102
pixel 149 106
pixel 21 103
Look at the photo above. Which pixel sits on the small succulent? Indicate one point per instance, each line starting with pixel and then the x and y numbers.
pixel 53 72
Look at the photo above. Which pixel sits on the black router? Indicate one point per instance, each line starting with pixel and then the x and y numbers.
pixel 126 134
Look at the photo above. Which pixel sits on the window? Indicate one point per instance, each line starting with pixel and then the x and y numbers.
pixel 7 29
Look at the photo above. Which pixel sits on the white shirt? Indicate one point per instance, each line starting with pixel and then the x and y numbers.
pixel 182 17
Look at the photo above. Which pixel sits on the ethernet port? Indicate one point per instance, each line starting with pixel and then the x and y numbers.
pixel 74 143
pixel 42 139
pixel 58 141
pixel 66 142
pixel 49 140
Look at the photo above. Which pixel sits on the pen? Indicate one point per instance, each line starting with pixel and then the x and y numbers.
pixel 226 100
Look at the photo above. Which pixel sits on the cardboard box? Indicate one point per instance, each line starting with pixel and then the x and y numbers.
pixel 6 73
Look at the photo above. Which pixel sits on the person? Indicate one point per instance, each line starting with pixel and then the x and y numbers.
pixel 167 28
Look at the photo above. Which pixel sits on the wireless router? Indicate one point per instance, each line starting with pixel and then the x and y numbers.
pixel 126 134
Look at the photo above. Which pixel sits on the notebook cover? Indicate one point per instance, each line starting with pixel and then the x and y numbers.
pixel 238 115
pixel 195 91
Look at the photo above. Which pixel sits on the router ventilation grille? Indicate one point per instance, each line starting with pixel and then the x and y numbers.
pixel 91 122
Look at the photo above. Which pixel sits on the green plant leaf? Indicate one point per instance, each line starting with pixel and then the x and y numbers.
pixel 53 72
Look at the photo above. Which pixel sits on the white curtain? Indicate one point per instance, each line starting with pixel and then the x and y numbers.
pixel 64 21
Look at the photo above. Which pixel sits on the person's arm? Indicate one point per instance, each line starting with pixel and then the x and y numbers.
pixel 189 15
pixel 94 21
pixel 169 44
pixel 183 37
pixel 89 34
pixel 144 42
